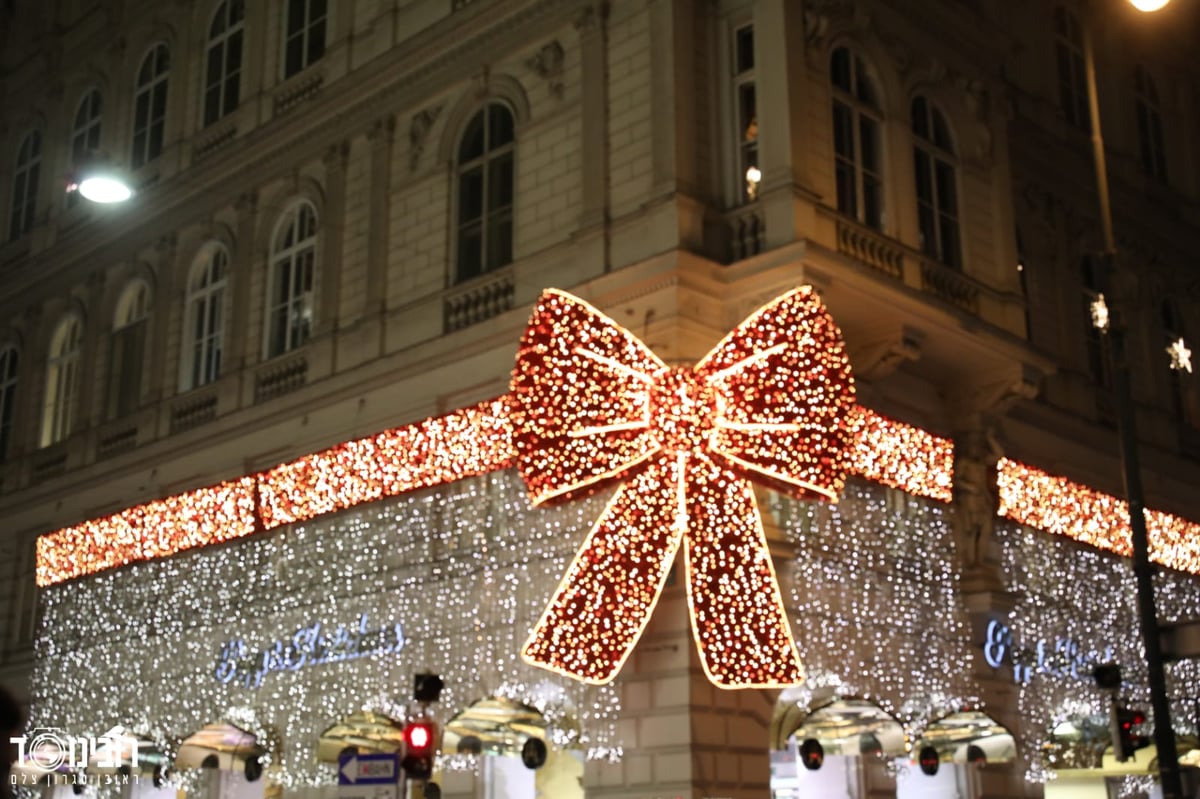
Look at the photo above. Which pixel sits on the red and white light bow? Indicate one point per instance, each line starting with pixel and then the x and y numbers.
pixel 591 404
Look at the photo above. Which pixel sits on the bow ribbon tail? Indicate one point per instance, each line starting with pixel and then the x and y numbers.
pixel 738 616
pixel 607 595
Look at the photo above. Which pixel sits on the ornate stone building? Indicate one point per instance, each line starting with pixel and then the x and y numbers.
pixel 345 211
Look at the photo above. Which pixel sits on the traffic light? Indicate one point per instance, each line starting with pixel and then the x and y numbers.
pixel 1129 724
pixel 812 754
pixel 420 742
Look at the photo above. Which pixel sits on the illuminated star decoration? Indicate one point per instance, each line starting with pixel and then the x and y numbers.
pixel 592 405
pixel 1099 310
pixel 1181 356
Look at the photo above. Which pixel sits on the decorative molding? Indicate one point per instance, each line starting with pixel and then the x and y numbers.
pixel 337 155
pixel 548 64
pixel 481 82
pixel 592 18
pixel 418 132
pixel 382 130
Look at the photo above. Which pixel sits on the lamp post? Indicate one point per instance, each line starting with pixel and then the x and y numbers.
pixel 1114 336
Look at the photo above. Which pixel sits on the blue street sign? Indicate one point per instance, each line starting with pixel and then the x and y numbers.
pixel 373 768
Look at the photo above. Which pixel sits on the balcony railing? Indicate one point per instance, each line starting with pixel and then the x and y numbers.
pixel 951 285
pixel 193 410
pixel 280 376
pixel 871 248
pixel 478 301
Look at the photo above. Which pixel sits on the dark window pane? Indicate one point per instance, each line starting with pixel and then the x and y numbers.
pixel 748 112
pixel 472 140
pixel 470 195
pixel 745 49
pixel 846 195
pixel 500 123
pixel 947 189
pixel 920 117
pixel 233 52
pixel 843 131
pixel 500 183
pixel 295 17
pixel 293 61
pixel 316 42
pixel 218 22
pixel 212 105
pixel 499 238
pixel 869 141
pixel 470 251
pixel 872 203
pixel 839 68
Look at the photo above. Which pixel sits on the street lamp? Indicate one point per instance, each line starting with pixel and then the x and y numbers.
pixel 99 181
pixel 1111 325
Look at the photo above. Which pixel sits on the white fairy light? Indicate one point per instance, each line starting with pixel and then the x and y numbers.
pixel 1099 309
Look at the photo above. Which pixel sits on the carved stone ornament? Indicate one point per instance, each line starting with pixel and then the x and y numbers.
pixel 482 81
pixel 418 132
pixel 548 64
pixel 591 18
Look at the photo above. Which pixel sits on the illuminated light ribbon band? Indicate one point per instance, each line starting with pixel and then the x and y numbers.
pixel 467 442
pixel 1056 505
pixel 592 405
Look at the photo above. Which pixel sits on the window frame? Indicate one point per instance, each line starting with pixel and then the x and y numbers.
pixel 862 112
pixel 937 148
pixel 10 365
pixel 228 80
pixel 304 32
pixel 203 335
pixel 153 123
pixel 289 256
pixel 1152 153
pixel 502 214
pixel 86 131
pixel 26 177
pixel 64 356
pixel 743 84
pixel 128 341
pixel 1070 68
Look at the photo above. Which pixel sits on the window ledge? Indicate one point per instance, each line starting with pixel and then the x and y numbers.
pixel 299 87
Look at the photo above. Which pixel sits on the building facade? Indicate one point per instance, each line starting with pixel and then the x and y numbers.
pixel 343 215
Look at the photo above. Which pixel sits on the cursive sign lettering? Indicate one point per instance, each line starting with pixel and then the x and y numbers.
pixel 308 646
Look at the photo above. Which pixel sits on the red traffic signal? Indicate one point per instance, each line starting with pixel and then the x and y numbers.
pixel 1129 723
pixel 929 760
pixel 812 754
pixel 420 743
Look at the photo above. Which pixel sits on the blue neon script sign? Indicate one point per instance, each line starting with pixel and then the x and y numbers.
pixel 1061 657
pixel 311 645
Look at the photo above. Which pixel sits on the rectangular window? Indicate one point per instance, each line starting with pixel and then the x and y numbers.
pixel 745 98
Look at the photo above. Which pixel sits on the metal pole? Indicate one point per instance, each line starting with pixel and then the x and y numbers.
pixel 1164 735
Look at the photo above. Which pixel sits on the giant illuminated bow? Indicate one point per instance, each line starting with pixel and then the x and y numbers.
pixel 592 404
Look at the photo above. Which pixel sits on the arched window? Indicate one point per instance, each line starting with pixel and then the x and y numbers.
pixel 26 173
pixel 305 42
pixel 857 139
pixel 203 318
pixel 85 134
pixel 1072 79
pixel 485 192
pixel 8 396
pixel 150 106
pixel 1151 151
pixel 62 380
pixel 936 170
pixel 290 294
pixel 128 350
pixel 223 70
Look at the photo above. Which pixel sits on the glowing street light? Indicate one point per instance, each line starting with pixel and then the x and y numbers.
pixel 1148 5
pixel 97 180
